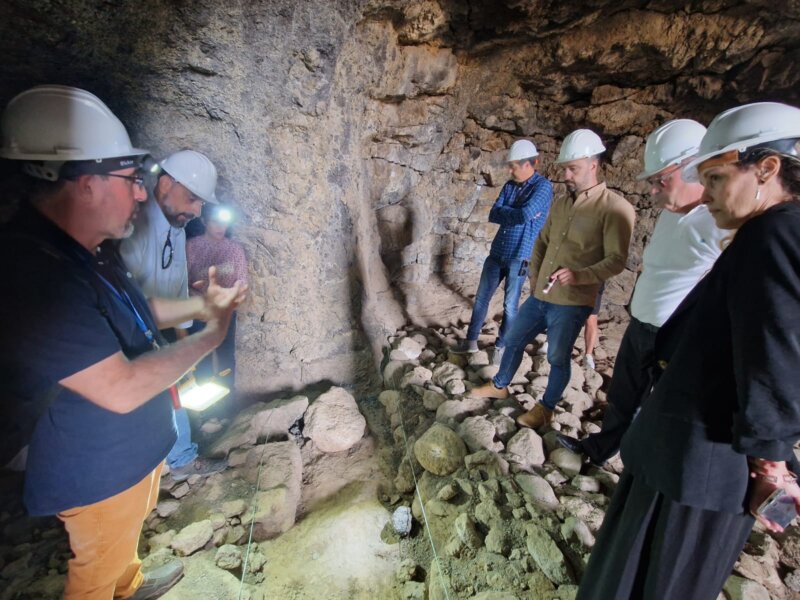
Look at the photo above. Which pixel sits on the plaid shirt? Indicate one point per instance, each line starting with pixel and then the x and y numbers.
pixel 521 211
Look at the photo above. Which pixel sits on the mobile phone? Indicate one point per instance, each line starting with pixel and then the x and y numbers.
pixel 778 508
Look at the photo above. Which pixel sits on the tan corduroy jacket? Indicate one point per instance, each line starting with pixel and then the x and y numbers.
pixel 589 235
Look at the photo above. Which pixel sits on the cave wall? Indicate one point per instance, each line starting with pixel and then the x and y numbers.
pixel 364 140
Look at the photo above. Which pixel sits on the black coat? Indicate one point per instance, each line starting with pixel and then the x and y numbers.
pixel 731 385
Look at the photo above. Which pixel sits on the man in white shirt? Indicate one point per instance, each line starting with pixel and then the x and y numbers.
pixel 156 257
pixel 683 247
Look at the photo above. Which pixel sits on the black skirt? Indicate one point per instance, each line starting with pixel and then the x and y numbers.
pixel 651 548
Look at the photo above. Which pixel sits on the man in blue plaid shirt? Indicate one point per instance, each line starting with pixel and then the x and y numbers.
pixel 520 210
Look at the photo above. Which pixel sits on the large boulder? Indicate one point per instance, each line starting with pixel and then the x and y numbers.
pixel 440 451
pixel 333 421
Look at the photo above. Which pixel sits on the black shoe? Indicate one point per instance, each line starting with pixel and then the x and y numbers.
pixel 570 444
pixel 158 581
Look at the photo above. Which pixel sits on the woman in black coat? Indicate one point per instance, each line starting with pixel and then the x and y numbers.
pixel 713 439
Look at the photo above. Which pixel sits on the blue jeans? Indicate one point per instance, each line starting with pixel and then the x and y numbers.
pixel 563 324
pixel 184 451
pixel 492 274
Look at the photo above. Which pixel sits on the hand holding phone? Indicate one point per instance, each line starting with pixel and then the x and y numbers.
pixel 779 508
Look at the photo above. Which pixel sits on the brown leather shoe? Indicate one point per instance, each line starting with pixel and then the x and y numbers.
pixel 537 417
pixel 487 390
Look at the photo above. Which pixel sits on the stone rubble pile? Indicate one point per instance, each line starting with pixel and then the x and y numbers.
pixel 206 521
pixel 512 514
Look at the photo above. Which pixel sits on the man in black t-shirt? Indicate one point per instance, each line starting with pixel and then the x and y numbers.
pixel 82 379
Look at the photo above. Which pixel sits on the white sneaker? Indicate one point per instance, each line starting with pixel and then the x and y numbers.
pixel 588 362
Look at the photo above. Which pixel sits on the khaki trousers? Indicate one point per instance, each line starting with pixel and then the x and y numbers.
pixel 104 537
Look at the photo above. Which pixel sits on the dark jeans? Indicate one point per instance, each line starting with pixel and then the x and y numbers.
pixel 651 548
pixel 563 324
pixel 631 383
pixel 492 274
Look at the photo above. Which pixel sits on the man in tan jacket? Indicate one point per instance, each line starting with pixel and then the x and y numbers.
pixel 583 243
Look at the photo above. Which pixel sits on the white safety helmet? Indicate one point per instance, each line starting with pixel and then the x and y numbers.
pixel 195 172
pixel 522 149
pixel 745 127
pixel 581 143
pixel 53 124
pixel 671 144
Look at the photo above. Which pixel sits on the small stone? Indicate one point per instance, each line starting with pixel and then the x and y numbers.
pixel 466 532
pixel 455 411
pixel 526 448
pixel 585 484
pixel 235 534
pixel 478 359
pixel 447 372
pixel 228 557
pixel 537 488
pixel 569 462
pixel 432 400
pixel 488 463
pixel 577 529
pixel 192 538
pixel 167 507
pixel 180 491
pixel 233 508
pixel 792 580
pixel 390 399
pixel 739 588
pixel 547 555
pixel 409 347
pixel 455 387
pixel 504 426
pixel 478 433
pixel 417 376
pixel 217 519
pixel 497 540
pixel 448 492
pixel 401 520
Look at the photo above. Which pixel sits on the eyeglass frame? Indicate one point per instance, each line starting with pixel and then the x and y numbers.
pixel 165 263
pixel 137 180
pixel 660 181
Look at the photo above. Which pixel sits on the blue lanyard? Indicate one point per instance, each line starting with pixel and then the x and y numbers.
pixel 126 299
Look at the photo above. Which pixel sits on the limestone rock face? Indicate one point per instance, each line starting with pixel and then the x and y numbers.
pixel 333 421
pixel 440 450
pixel 402 111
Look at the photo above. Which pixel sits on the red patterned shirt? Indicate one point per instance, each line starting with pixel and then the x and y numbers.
pixel 203 252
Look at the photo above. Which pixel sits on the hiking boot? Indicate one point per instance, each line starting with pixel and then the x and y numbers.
pixel 497 356
pixel 158 581
pixel 588 362
pixel 539 416
pixel 488 390
pixel 465 347
pixel 199 466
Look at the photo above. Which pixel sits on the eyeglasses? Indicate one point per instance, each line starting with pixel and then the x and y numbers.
pixel 660 181
pixel 167 251
pixel 137 180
